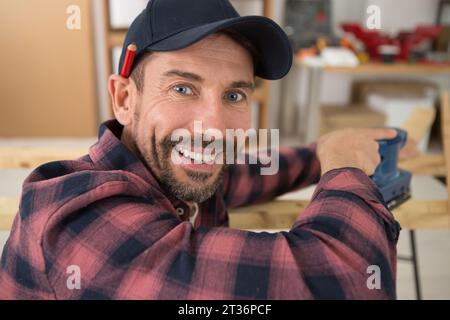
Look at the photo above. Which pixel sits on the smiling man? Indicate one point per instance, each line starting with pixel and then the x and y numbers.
pixel 210 81
pixel 127 221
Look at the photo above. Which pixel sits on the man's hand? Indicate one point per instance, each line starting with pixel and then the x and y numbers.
pixel 356 148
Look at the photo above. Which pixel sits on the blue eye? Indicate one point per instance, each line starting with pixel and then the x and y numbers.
pixel 234 96
pixel 184 90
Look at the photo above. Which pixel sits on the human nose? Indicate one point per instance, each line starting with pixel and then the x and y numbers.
pixel 210 113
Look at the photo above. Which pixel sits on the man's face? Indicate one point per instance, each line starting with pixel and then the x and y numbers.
pixel 210 82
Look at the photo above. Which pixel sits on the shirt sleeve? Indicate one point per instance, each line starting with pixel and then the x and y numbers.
pixel 297 168
pixel 129 247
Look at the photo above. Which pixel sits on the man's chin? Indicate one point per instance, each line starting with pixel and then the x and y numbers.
pixel 192 185
pixel 197 175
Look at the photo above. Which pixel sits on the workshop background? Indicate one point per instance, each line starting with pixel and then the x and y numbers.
pixel 358 63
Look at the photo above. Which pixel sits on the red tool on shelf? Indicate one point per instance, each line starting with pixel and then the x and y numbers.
pixel 406 42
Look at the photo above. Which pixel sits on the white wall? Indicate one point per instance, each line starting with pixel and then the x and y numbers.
pixel 396 15
pixel 122 13
pixel 405 14
pixel 248 7
pixel 347 10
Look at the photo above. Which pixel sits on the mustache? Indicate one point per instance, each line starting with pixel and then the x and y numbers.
pixel 224 151
pixel 200 140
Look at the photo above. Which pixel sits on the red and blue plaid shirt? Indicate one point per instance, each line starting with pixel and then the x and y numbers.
pixel 106 214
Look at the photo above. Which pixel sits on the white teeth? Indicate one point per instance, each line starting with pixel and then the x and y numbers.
pixel 194 155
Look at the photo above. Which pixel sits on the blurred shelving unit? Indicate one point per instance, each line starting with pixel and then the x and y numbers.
pixel 314 73
pixel 396 68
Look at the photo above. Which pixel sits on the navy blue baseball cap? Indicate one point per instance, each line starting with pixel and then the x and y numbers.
pixel 168 25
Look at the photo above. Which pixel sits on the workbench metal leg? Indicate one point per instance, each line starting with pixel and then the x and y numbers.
pixel 313 103
pixel 414 259
pixel 415 262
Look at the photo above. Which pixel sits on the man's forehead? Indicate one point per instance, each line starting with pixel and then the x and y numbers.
pixel 201 60
pixel 193 76
pixel 214 44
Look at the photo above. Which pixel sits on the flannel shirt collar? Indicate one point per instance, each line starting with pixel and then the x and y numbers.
pixel 110 153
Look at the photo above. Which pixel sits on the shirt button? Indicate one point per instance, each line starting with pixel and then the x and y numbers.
pixel 180 211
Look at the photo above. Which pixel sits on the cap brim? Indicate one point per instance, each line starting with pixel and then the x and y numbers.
pixel 267 37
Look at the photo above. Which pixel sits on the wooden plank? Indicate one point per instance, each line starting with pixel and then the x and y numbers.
pixel 403 68
pixel 8 210
pixel 281 214
pixel 6 222
pixel 426 164
pixel 278 214
pixel 262 97
pixel 31 157
pixel 260 94
pixel 116 38
pixel 109 44
pixel 423 214
pixel 445 127
pixel 268 9
pixel 385 68
pixel 419 123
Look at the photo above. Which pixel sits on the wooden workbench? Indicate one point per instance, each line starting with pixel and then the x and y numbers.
pixel 417 213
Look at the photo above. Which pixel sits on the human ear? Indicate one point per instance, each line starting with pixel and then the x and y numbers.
pixel 122 98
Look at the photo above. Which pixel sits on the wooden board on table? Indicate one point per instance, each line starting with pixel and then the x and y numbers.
pixel 8 210
pixel 427 164
pixel 31 157
pixel 281 214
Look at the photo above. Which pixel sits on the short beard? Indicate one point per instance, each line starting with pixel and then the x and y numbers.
pixel 186 191
pixel 157 160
